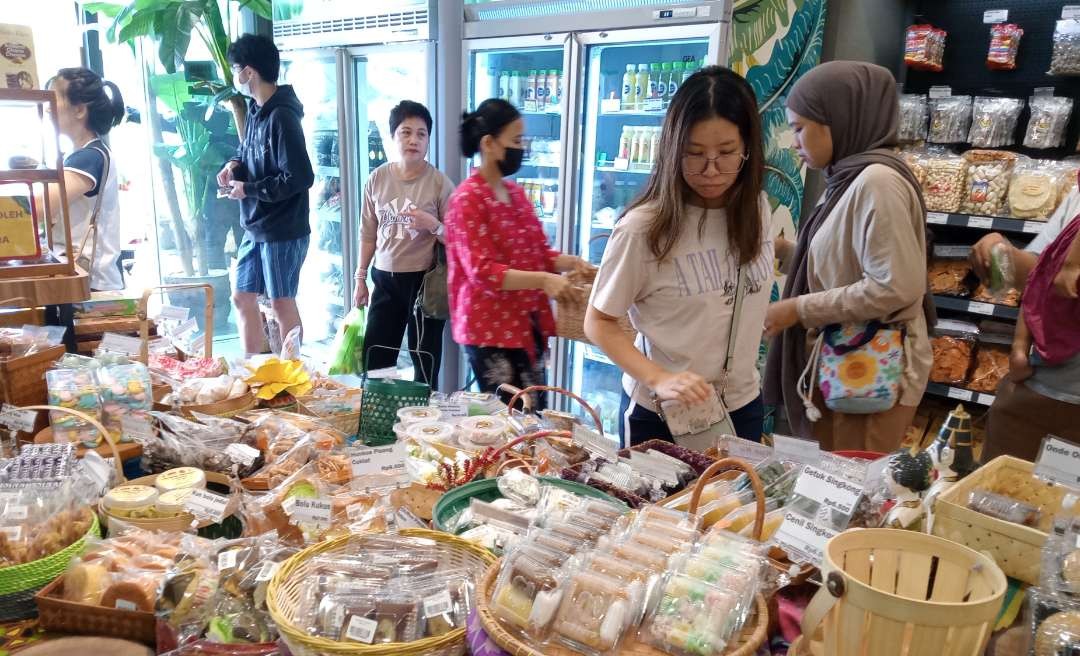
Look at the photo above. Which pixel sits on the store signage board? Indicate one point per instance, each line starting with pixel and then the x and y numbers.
pixel 828 489
pixel 994 16
pixel 1058 461
pixel 17 419
pixel 382 460
pixel 1070 12
pixel 794 449
pixel 937 217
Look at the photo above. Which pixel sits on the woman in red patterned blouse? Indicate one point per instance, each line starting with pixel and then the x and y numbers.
pixel 502 272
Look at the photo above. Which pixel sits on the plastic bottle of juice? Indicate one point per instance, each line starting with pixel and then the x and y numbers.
pixel 551 92
pixel 504 84
pixel 511 89
pixel 675 80
pixel 541 85
pixel 663 82
pixel 547 198
pixel 629 83
pixel 558 88
pixel 641 148
pixel 654 81
pixel 520 78
pixel 641 85
pixel 688 69
pixel 626 140
pixel 654 144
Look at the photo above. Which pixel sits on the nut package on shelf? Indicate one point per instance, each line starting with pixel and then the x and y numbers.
pixel 1004 44
pixel 914 112
pixel 1049 118
pixel 924 47
pixel 950 119
pixel 1065 59
pixel 994 121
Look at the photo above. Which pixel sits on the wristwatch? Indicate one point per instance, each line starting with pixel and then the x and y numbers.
pixel 438 232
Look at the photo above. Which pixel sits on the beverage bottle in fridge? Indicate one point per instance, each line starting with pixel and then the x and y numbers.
pixel 654 144
pixel 530 87
pixel 636 155
pixel 688 69
pixel 626 139
pixel 504 84
pixel 641 85
pixel 662 83
pixel 551 93
pixel 547 198
pixel 654 82
pixel 541 86
pixel 492 89
pixel 558 88
pixel 675 80
pixel 511 89
pixel 629 82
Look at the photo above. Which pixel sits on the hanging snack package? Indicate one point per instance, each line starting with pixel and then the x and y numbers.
pixel 924 48
pixel 1033 190
pixel 913 117
pixel 1066 57
pixel 987 181
pixel 1004 43
pixel 993 121
pixel 943 186
pixel 950 118
pixel 1049 118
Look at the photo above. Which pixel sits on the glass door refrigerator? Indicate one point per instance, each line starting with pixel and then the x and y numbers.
pixel 627 81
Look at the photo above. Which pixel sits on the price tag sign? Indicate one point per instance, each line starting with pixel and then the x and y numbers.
pixel 309 511
pixel 1070 12
pixel 242 454
pixel 122 344
pixel 959 394
pixel 530 106
pixel 12 532
pixel 187 328
pixel 800 536
pixel 621 164
pixel 226 560
pixel 980 222
pixel 361 629
pixel 202 503
pixel 937 217
pixel 267 571
pixel 1033 227
pixel 1043 92
pixel 438 604
pixel 981 308
pixel 609 105
pixel 828 490
pixel 173 313
pixel 987 399
pixel 18 419
pixel 952 250
pixel 17 513
pixel 940 92
pixel 737 447
pixel 452 409
pixel 794 449
pixel 993 16
pixel 595 443
pixel 124 604
pixel 384 460
pixel 1058 461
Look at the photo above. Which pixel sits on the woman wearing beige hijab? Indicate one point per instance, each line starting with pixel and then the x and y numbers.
pixel 860 255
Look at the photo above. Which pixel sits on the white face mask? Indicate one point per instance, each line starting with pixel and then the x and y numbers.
pixel 243 88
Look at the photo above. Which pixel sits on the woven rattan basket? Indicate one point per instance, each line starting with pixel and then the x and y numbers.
pixel 1015 548
pixel 60 615
pixel 283 597
pixel 347 422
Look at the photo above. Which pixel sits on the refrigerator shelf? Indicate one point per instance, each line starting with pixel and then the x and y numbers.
pixel 636 112
pixel 543 113
pixel 612 169
pixel 540 165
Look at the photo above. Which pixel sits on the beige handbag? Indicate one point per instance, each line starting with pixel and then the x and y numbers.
pixel 82 260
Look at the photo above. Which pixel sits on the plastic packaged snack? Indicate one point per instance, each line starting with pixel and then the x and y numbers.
pixel 689 617
pixel 481 431
pixel 1049 118
pixel 418 413
pixel 943 186
pixel 1003 507
pixel 520 487
pixel 1055 623
pixel 1002 274
pixel 991 366
pixel 527 595
pixel 993 121
pixel 642 556
pixel 1034 190
pixel 445 602
pixel 916 161
pixel 594 614
pixel 949 277
pixel 124 391
pixel 1004 43
pixel 950 119
pixel 373 618
pixel 987 181
pixel 953 357
pixel 75 389
pixel 1010 298
pixel 1065 59
pixel 924 47
pixel 914 112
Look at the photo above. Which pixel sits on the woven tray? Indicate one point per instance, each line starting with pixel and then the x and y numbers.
pixel 184 520
pixel 347 423
pixel 226 408
pixel 63 616
pixel 1016 549
pixel 283 597
pixel 749 639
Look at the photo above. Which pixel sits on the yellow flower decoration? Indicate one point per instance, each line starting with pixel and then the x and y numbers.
pixel 858 370
pixel 275 376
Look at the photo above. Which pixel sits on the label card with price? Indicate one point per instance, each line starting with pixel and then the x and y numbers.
pixel 828 490
pixel 980 222
pixel 1033 227
pixel 981 308
pixel 1059 461
pixel 206 504
pixel 795 449
pixel 1070 12
pixel 383 460
pixel 737 447
pixel 940 92
pixel 122 344
pixel 185 329
pixel 959 394
pixel 361 629
pixel 17 513
pixel 937 217
pixel 309 511
pixel 800 536
pixel 621 164
pixel 438 604
pixel 17 419
pixel 452 409
pixel 173 313
pixel 226 560
pixel 242 453
pixel 267 571
pixel 994 16
pixel 609 105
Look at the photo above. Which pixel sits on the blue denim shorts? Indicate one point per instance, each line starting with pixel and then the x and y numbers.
pixel 270 268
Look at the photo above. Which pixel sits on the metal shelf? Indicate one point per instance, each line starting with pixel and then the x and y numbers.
pixel 960 394
pixel 976 307
pixel 996 223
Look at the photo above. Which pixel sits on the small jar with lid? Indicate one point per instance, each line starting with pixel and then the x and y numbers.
pixel 171 504
pixel 181 478
pixel 131 501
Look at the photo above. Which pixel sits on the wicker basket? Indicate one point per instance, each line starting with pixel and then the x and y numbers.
pixel 749 639
pixel 181 522
pixel 1016 549
pixel 227 408
pixel 570 317
pixel 283 597
pixel 890 593
pixel 22 382
pixel 347 423
pixel 208 317
pixel 63 616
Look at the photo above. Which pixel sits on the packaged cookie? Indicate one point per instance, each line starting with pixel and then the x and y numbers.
pixel 688 617
pixel 953 357
pixel 943 187
pixel 924 47
pixel 914 112
pixel 991 366
pixel 595 612
pixel 372 618
pixel 125 392
pixel 1048 121
pixel 950 119
pixel 949 277
pixel 1034 190
pixel 1065 59
pixel 1055 623
pixel 993 121
pixel 1004 43
pixel 75 389
pixel 527 595
pixel 1004 508
pixel 1068 174
pixel 987 181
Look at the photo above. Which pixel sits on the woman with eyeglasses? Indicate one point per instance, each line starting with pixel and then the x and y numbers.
pixel 676 258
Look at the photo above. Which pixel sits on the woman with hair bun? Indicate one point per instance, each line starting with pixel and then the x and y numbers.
pixel 502 272
pixel 87 108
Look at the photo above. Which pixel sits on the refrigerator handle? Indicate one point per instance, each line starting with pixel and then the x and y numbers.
pixel 569 137
pixel 347 179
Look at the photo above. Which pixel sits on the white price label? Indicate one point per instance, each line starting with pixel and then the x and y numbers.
pixel 137 427
pixel 621 164
pixel 267 571
pixel 940 92
pixel 952 250
pixel 124 604
pixel 737 447
pixel 993 16
pixel 173 313
pixel 987 399
pixel 652 105
pixel 801 536
pixel 12 532
pixel 959 394
pixel 242 453
pixel 1070 12
pixel 186 329
pixel 610 106
pixel 1043 92
pixel 1033 227
pixel 452 409
pixel 309 511
pixel 937 217
pixel 980 222
pixel 828 490
pixel 530 106
pixel 384 460
pixel 16 512
pixel 361 629
pixel 595 443
pixel 226 560
pixel 794 449
pixel 981 308
pixel 122 344
pixel 18 419
pixel 1058 461
pixel 438 604
pixel 202 503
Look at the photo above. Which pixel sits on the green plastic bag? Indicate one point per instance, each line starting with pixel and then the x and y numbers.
pixel 349 344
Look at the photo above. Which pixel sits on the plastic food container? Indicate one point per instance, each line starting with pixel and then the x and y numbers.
pixel 171 504
pixel 181 478
pixel 135 501
pixel 416 414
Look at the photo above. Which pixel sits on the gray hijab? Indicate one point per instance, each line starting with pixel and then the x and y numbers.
pixel 858 102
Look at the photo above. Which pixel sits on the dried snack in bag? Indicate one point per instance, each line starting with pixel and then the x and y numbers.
pixel 1055 623
pixel 924 47
pixel 991 366
pixel 1001 271
pixel 1004 43
pixel 1065 59
pixel 914 112
pixel 689 617
pixel 1033 190
pixel 987 181
pixel 952 359
pixel 950 119
pixel 943 186
pixel 1049 118
pixel 949 277
pixel 1004 508
pixel 993 121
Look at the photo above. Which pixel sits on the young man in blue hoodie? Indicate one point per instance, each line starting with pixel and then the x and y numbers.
pixel 270 176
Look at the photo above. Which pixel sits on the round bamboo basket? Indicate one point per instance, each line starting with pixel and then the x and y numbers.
pixel 185 520
pixel 284 591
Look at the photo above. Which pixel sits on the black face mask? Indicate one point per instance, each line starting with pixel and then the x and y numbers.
pixel 511 161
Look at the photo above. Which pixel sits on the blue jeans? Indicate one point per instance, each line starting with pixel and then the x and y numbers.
pixel 644 424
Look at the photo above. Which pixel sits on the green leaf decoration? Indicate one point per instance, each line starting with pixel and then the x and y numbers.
pixel 261 8
pixel 109 9
pixel 783 170
pixel 753 24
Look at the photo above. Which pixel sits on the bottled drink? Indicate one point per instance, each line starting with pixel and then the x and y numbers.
pixel 688 70
pixel 551 94
pixel 530 87
pixel 629 82
pixel 640 148
pixel 675 80
pixel 641 85
pixel 504 84
pixel 519 89
pixel 663 82
pixel 626 139
pixel 654 81
pixel 558 88
pixel 654 144
pixel 511 89
pixel 541 86
pixel 547 198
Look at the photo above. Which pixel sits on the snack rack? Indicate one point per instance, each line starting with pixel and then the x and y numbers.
pixel 52 277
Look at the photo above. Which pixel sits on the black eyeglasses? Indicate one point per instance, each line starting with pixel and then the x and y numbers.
pixel 699 164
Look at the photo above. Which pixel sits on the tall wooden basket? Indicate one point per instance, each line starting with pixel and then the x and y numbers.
pixel 896 593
